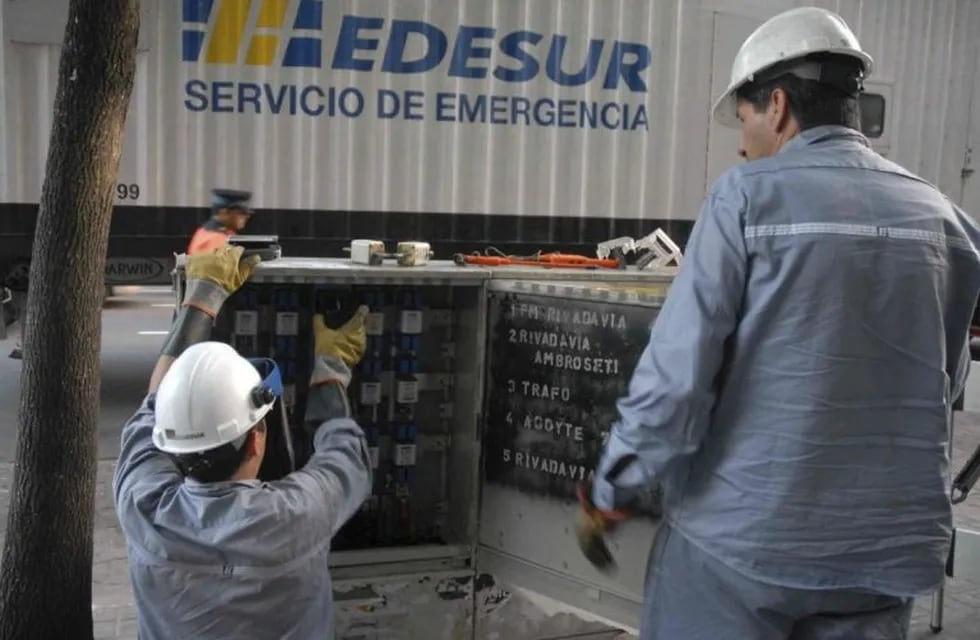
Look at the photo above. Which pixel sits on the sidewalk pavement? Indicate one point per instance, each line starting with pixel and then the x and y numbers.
pixel 114 612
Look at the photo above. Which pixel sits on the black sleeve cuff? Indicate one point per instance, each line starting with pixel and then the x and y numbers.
pixel 191 326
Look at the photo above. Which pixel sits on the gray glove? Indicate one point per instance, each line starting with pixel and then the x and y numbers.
pixel 328 391
pixel 330 368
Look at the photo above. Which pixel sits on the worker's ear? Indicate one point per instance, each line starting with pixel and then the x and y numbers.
pixel 778 114
pixel 256 439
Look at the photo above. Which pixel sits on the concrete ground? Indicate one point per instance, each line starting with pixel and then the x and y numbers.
pixel 134 324
pixel 132 327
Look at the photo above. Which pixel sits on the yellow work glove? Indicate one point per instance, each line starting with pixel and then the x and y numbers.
pixel 347 343
pixel 215 275
pixel 338 350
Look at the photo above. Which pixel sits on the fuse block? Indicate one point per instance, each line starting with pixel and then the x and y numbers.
pixel 400 393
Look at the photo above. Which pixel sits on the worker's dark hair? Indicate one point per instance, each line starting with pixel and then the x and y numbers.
pixel 215 465
pixel 834 101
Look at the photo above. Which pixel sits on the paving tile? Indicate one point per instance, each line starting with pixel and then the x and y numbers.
pixel 104 629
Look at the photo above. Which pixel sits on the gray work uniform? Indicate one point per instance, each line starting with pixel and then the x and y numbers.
pixel 794 398
pixel 236 560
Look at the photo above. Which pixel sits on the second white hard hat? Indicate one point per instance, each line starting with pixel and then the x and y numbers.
pixel 790 35
pixel 211 396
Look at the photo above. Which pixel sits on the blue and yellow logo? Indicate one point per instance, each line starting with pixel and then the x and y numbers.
pixel 221 38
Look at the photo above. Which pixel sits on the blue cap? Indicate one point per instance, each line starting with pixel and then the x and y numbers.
pixel 231 199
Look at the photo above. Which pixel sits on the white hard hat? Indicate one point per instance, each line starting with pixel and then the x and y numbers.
pixel 212 396
pixel 792 34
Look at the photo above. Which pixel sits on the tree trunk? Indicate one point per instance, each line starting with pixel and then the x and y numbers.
pixel 46 584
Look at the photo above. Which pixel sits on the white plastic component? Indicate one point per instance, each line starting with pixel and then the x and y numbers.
pixel 370 393
pixel 405 455
pixel 246 323
pixel 410 322
pixel 374 323
pixel 375 454
pixel 370 252
pixel 408 391
pixel 413 253
pixel 287 323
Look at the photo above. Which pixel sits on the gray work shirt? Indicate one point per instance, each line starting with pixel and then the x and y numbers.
pixel 795 395
pixel 236 559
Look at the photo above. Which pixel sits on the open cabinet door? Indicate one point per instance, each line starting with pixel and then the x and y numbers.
pixel 970 199
pixel 559 355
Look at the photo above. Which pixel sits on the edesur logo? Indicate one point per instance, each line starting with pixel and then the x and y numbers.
pixel 253 32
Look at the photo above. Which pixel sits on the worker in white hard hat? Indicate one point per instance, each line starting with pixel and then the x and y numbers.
pixel 794 400
pixel 213 551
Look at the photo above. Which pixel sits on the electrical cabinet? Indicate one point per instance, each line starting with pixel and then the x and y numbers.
pixel 486 395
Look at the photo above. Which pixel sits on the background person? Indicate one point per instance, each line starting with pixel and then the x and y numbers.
pixel 230 214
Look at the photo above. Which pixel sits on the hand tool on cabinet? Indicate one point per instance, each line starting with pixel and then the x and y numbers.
pixel 616 248
pixel 658 251
pixel 655 250
pixel 591 526
pixel 968 476
pixel 546 260
pixel 266 247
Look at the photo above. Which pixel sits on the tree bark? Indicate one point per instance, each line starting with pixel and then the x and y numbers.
pixel 46 583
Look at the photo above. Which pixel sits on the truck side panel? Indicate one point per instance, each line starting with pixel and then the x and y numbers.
pixel 525 125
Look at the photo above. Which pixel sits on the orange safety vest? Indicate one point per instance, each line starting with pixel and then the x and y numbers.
pixel 205 239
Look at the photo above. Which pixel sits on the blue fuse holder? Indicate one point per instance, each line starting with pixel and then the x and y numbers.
pixel 374 323
pixel 410 319
pixel 374 451
pixel 369 391
pixel 411 299
pixel 406 365
pixel 374 345
pixel 287 299
pixel 405 447
pixel 404 477
pixel 287 314
pixel 371 367
pixel 250 299
pixel 286 347
pixel 408 342
pixel 406 384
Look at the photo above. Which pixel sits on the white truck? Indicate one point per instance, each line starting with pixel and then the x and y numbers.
pixel 521 124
